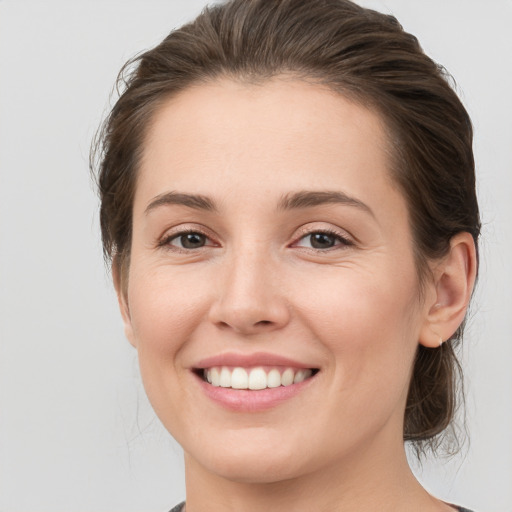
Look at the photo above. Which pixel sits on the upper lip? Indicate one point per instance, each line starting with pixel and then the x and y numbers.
pixel 250 360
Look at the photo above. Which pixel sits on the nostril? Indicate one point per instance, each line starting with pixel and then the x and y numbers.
pixel 245 315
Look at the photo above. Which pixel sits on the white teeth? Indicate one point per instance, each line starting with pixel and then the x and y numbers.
pixel 254 378
pixel 273 379
pixel 225 378
pixel 301 375
pixel 287 377
pixel 257 379
pixel 239 379
pixel 213 376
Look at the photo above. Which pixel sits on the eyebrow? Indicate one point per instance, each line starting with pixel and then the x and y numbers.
pixel 292 201
pixel 196 201
pixel 309 199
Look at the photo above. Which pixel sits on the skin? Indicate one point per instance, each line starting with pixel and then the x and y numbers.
pixel 353 310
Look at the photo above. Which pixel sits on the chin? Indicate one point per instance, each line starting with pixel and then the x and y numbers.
pixel 254 470
pixel 252 461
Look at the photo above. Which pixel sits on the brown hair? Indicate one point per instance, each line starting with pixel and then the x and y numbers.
pixel 365 56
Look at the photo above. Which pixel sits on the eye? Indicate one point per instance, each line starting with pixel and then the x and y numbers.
pixel 186 240
pixel 322 240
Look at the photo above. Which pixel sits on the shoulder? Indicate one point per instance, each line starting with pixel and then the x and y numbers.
pixel 180 507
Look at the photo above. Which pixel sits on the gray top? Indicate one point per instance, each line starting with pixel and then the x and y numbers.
pixel 180 507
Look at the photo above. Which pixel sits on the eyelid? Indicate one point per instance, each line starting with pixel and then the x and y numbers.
pixel 172 233
pixel 180 230
pixel 346 239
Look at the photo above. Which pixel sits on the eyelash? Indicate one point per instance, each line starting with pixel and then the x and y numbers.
pixel 339 237
pixel 166 241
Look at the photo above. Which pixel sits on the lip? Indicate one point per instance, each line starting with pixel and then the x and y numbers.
pixel 242 400
pixel 250 360
pixel 251 400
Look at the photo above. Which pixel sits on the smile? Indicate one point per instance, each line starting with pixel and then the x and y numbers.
pixel 256 378
pixel 253 382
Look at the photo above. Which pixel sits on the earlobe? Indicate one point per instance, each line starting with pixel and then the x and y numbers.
pixel 122 300
pixel 454 279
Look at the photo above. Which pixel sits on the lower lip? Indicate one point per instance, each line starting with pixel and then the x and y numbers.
pixel 244 400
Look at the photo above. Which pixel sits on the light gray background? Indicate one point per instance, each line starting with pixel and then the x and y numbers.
pixel 76 432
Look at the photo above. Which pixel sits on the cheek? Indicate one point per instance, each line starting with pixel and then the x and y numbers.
pixel 369 321
pixel 165 307
pixel 354 302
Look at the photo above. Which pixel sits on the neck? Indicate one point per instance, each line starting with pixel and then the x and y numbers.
pixel 371 479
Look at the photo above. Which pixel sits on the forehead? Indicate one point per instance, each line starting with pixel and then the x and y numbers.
pixel 280 134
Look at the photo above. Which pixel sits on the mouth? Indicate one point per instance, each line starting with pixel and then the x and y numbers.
pixel 254 378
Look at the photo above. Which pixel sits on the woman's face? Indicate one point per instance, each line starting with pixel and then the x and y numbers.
pixel 269 243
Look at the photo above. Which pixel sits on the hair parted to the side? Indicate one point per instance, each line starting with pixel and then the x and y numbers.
pixel 365 56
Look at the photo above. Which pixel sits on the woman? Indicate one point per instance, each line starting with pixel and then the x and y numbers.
pixel 288 201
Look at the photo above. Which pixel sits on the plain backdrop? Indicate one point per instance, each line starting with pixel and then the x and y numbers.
pixel 76 432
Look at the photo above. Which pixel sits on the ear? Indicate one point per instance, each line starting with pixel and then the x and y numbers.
pixel 122 299
pixel 454 279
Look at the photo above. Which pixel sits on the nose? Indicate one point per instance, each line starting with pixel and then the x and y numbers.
pixel 250 299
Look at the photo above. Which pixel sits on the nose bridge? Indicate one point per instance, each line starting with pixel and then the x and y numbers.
pixel 249 298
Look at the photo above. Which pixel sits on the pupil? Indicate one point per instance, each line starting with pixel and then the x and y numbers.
pixel 322 241
pixel 192 240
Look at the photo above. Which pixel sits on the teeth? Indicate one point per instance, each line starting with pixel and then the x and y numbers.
pixel 273 379
pixel 225 378
pixel 299 376
pixel 213 376
pixel 255 378
pixel 239 379
pixel 287 377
